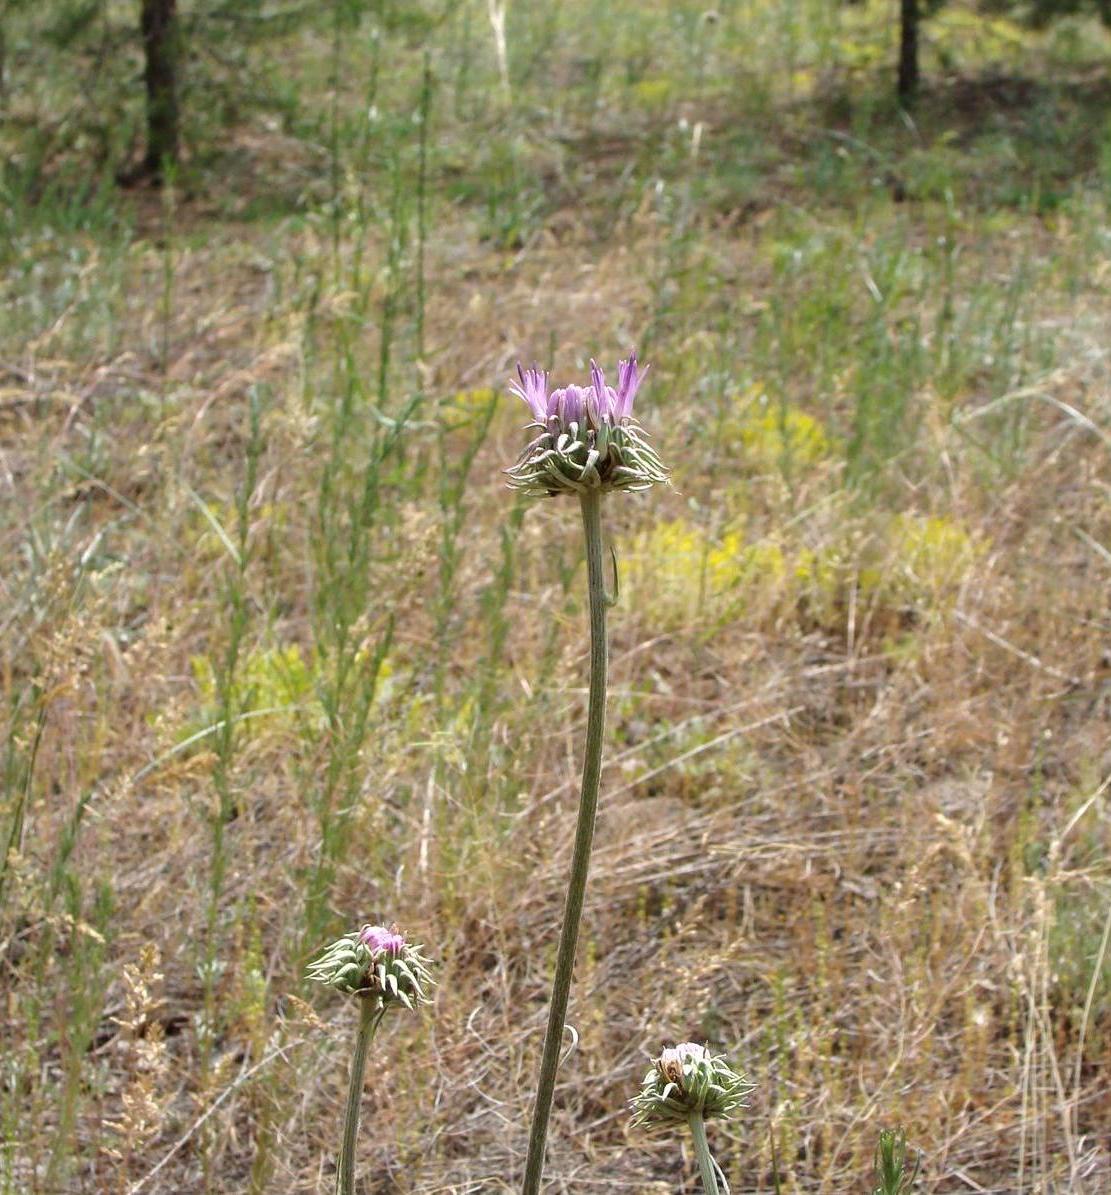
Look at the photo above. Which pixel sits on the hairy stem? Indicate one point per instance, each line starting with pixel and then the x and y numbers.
pixel 584 838
pixel 370 1018
pixel 702 1152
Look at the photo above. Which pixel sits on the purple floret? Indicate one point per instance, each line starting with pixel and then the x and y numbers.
pixel 587 406
pixel 628 382
pixel 615 406
pixel 533 388
pixel 379 939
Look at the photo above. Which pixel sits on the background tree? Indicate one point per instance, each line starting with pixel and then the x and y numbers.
pixel 158 25
pixel 1036 12
pixel 911 13
pixel 907 85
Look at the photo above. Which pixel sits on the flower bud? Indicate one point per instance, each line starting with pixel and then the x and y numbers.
pixel 375 963
pixel 687 1078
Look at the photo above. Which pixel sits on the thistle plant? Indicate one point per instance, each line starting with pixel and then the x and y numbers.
pixel 689 1085
pixel 586 444
pixel 381 970
pixel 894 1174
pixel 587 438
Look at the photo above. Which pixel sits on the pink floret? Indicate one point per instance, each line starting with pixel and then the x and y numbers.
pixel 598 402
pixel 380 939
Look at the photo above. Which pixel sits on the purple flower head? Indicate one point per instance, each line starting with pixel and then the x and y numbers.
pixel 588 438
pixel 380 940
pixel 687 1078
pixel 672 1060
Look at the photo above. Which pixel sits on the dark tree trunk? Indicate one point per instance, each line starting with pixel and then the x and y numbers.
pixel 908 52
pixel 158 24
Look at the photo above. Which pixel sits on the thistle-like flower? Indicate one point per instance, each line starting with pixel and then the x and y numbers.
pixel 588 443
pixel 375 964
pixel 378 966
pixel 687 1078
pixel 587 436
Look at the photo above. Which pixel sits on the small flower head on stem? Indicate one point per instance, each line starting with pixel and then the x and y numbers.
pixel 375 963
pixel 687 1078
pixel 587 436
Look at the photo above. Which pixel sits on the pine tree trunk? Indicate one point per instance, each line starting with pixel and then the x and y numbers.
pixel 908 52
pixel 159 27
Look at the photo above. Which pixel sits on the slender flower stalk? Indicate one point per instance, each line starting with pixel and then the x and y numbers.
pixel 706 1165
pixel 584 840
pixel 380 969
pixel 587 443
pixel 689 1085
pixel 370 1018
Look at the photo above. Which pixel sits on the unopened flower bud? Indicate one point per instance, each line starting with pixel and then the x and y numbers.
pixel 687 1078
pixel 375 963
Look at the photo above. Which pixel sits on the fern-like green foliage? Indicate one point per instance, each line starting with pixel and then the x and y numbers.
pixel 895 1173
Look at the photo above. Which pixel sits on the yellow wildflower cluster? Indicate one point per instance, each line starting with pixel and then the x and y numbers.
pixel 682 574
pixel 927 556
pixel 277 680
pixel 909 561
pixel 653 94
pixel 276 677
pixel 474 402
pixel 781 434
pixel 473 412
pixel 775 435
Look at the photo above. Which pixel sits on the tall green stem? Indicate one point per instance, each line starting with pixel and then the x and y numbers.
pixel 584 839
pixel 702 1153
pixel 370 1017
